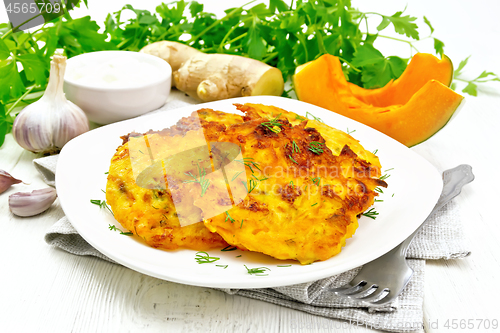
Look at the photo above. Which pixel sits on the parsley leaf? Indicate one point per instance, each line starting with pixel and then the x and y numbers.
pixel 402 24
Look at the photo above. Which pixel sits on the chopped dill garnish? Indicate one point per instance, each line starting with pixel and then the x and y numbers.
pixel 316 147
pixel 140 151
pixel 372 213
pixel 252 185
pixel 297 117
pixel 349 132
pixel 260 180
pixel 114 228
pixel 236 175
pixel 204 183
pixel 257 271
pixel 316 180
pixel 241 225
pixel 294 161
pixel 103 191
pixel 384 177
pixel 379 190
pixel 272 124
pixel 377 200
pixel 295 147
pixel 389 169
pixel 228 217
pixel 314 204
pixel 315 118
pixel 229 248
pixel 101 204
pixel 203 257
pixel 225 266
pixel 393 194
pixel 284 265
pixel 249 163
pixel 106 173
pixel 154 207
pixel 238 256
pixel 375 152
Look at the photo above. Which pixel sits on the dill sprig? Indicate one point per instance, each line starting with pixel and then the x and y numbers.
pixel 224 266
pixel 252 184
pixel 297 117
pixel 203 257
pixel 273 125
pixel 241 225
pixel 316 147
pixel 236 175
pixel 114 228
pixel 372 213
pixel 316 180
pixel 379 190
pixel 101 204
pixel 228 217
pixel 247 161
pixel 284 265
pixel 257 271
pixel 204 183
pixel 384 177
pixel 375 152
pixel 314 204
pixel 349 132
pixel 260 180
pixel 314 117
pixel 229 248
pixel 295 147
pixel 294 161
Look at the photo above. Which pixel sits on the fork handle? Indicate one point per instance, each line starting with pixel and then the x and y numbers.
pixel 453 181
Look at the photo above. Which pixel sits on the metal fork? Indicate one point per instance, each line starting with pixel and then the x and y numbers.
pixel 382 280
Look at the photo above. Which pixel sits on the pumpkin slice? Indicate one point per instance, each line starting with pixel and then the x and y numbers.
pixel 423 67
pixel 322 83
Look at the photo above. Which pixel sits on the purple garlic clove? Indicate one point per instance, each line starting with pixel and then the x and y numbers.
pixel 29 204
pixel 6 180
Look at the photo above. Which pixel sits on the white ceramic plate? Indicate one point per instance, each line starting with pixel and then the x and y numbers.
pixel 414 187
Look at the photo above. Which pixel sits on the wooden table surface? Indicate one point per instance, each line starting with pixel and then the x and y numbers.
pixel 48 290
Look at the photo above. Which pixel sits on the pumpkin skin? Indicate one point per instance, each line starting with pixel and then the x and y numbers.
pixel 322 83
pixel 422 68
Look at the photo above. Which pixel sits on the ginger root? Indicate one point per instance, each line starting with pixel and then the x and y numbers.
pixel 211 77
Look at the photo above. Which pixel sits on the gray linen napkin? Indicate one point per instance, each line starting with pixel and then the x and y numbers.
pixel 441 238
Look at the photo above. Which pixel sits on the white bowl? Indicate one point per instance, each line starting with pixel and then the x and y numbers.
pixel 135 83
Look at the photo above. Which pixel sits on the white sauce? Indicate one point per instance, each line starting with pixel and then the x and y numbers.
pixel 121 71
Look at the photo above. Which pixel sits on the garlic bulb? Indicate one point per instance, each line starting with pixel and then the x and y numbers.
pixel 48 124
pixel 29 204
pixel 6 180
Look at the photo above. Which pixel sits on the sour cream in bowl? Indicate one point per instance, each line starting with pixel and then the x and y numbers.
pixel 111 86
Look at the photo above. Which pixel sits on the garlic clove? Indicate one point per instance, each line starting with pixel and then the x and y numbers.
pixel 29 204
pixel 6 180
pixel 49 123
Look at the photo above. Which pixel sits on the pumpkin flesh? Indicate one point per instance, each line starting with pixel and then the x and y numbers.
pixel 425 113
pixel 422 68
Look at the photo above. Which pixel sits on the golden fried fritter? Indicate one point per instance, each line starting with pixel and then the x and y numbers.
pixel 272 182
pixel 303 200
pixel 151 213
